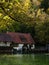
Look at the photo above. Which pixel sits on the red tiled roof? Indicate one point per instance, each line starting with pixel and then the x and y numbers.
pixel 16 38
pixel 5 37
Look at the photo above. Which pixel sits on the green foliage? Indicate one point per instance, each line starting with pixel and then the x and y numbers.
pixel 42 32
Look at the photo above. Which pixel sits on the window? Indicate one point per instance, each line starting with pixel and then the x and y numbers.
pixel 23 39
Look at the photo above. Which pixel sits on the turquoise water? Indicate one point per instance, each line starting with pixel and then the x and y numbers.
pixel 33 59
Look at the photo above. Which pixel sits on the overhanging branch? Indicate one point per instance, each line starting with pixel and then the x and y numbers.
pixel 8 14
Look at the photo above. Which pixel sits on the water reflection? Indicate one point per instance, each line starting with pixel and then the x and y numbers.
pixel 35 59
pixel 25 59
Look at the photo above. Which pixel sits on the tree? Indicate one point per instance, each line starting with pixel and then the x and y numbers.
pixel 12 12
pixel 42 32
